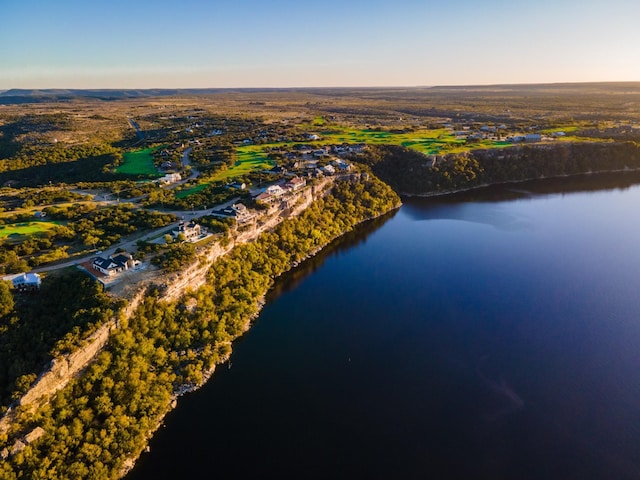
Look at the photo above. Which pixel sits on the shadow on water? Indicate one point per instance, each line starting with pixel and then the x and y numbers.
pixel 291 279
pixel 544 186
pixel 471 206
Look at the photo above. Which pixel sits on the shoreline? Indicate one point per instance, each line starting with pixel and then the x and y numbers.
pixel 185 389
pixel 515 182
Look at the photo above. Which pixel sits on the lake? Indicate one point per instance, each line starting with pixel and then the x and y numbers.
pixel 491 334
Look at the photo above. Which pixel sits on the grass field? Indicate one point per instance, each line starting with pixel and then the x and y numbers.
pixel 190 191
pixel 15 230
pixel 429 142
pixel 139 162
pixel 250 158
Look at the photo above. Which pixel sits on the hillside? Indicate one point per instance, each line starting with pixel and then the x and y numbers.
pixel 412 173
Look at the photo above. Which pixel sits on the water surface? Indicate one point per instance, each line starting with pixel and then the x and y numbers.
pixel 489 335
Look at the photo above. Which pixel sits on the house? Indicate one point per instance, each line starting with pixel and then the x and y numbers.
pixel 319 153
pixel 26 282
pixel 328 170
pixel 272 193
pixel 358 147
pixel 191 231
pixel 238 211
pixel 237 186
pixel 114 264
pixel 342 165
pixel 170 178
pixel 295 184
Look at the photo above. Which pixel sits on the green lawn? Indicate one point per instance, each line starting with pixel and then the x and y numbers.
pixel 250 158
pixel 14 230
pixel 190 191
pixel 139 162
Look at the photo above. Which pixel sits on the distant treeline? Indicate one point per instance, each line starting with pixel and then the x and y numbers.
pixel 413 173
pixel 103 418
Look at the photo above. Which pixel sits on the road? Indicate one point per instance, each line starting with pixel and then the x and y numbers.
pixel 129 244
pixel 135 125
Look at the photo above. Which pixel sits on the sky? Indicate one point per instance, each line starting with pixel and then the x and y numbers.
pixel 287 43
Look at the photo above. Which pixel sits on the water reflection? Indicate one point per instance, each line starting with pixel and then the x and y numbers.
pixel 290 280
pixel 467 212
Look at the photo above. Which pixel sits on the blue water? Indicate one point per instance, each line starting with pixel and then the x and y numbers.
pixel 489 338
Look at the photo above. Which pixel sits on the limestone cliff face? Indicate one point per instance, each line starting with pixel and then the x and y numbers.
pixel 63 369
pixel 413 173
pixel 196 275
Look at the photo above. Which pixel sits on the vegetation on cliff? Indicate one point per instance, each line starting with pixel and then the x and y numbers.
pixel 410 172
pixel 65 311
pixel 104 418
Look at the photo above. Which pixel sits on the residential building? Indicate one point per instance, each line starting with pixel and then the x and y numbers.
pixel 238 211
pixel 114 264
pixel 170 178
pixel 191 231
pixel 26 282
pixel 295 184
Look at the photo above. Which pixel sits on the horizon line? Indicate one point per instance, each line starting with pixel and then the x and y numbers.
pixel 471 85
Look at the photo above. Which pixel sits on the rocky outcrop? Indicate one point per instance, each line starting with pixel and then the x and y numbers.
pixel 62 369
pixel 412 173
pixel 196 275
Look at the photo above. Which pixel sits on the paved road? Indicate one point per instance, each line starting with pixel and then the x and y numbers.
pixel 135 125
pixel 129 244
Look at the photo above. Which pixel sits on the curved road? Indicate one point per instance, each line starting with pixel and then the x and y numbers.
pixel 130 243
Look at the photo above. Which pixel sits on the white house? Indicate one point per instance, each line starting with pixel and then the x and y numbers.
pixel 328 170
pixel 191 231
pixel 26 282
pixel 114 264
pixel 271 193
pixel 170 178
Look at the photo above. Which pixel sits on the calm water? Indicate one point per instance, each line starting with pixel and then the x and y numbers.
pixel 495 335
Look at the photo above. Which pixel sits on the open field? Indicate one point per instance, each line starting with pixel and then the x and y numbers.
pixel 429 142
pixel 191 190
pixel 250 158
pixel 138 162
pixel 25 229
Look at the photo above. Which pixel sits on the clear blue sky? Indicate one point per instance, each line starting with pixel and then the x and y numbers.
pixel 282 43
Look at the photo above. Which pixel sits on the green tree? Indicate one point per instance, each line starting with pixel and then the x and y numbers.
pixel 6 299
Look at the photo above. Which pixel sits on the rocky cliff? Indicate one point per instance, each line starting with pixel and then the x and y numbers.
pixel 63 369
pixel 413 173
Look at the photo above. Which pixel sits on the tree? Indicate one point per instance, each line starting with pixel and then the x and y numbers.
pixel 6 299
